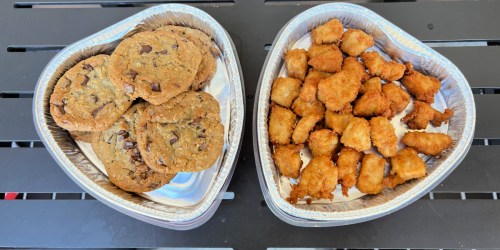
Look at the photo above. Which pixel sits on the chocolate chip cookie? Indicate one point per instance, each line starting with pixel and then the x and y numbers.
pixel 154 65
pixel 184 134
pixel 208 51
pixel 84 136
pixel 84 99
pixel 117 150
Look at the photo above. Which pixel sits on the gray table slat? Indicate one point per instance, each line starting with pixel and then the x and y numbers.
pixel 32 170
pixel 454 224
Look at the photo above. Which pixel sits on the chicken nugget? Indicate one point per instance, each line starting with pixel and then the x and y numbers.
pixel 378 66
pixel 330 32
pixel 383 136
pixel 347 164
pixel 398 98
pixel 296 63
pixel 371 175
pixel 419 85
pixel 337 121
pixel 303 108
pixel 338 90
pixel 304 127
pixel 427 143
pixel 423 113
pixel 323 142
pixel 374 83
pixel 355 68
pixel 310 86
pixel 406 165
pixel 372 103
pixel 281 124
pixel 287 159
pixel 355 41
pixel 318 180
pixel 326 58
pixel 357 134
pixel 285 90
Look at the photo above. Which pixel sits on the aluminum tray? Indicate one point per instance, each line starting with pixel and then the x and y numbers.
pixel 78 166
pixel 396 43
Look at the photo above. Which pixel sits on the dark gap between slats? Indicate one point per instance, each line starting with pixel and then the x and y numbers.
pixel 16 95
pixel 35 48
pixel 493 141
pixel 445 196
pixel 109 4
pixel 68 196
pixel 39 196
pixel 479 196
pixel 478 142
pixel 21 144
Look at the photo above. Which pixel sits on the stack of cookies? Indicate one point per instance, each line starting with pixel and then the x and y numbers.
pixel 141 108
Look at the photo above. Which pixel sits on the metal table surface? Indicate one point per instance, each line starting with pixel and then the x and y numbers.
pixel 51 211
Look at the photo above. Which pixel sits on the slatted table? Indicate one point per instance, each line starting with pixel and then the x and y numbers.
pixel 52 211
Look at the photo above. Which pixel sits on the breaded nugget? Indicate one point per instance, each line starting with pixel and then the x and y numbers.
pixel 419 85
pixel 338 90
pixel 304 127
pixel 383 136
pixel 423 113
pixel 374 83
pixel 372 103
pixel 296 63
pixel 398 98
pixel 371 174
pixel 427 143
pixel 326 58
pixel 285 90
pixel 323 142
pixel 347 164
pixel 357 134
pixel 355 41
pixel 406 165
pixel 281 124
pixel 330 32
pixel 303 108
pixel 287 159
pixel 355 68
pixel 337 121
pixel 310 86
pixel 377 66
pixel 318 180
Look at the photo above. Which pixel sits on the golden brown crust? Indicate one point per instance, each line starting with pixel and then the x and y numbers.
pixel 355 68
pixel 347 164
pixel 285 90
pixel 357 134
pixel 287 159
pixel 423 87
pixel 406 165
pixel 326 58
pixel 355 41
pixel 427 143
pixel 310 86
pixel 330 32
pixel 323 142
pixel 337 121
pixel 398 98
pixel 383 136
pixel 281 124
pixel 378 66
pixel 338 90
pixel 372 103
pixel 303 108
pixel 304 126
pixel 371 175
pixel 296 63
pixel 423 113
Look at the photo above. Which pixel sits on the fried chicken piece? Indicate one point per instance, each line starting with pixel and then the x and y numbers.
pixel 406 165
pixel 337 121
pixel 378 66
pixel 383 136
pixel 372 103
pixel 326 58
pixel 281 124
pixel 304 127
pixel 347 164
pixel 423 113
pixel 303 108
pixel 318 180
pixel 355 67
pixel 296 63
pixel 374 83
pixel 338 90
pixel 419 85
pixel 355 41
pixel 285 90
pixel 323 142
pixel 398 98
pixel 357 134
pixel 287 159
pixel 371 175
pixel 330 32
pixel 310 86
pixel 427 143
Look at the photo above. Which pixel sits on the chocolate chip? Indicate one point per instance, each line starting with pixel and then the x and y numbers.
pixel 88 67
pixel 109 139
pixel 129 145
pixel 129 89
pixel 122 135
pixel 160 161
pixel 163 52
pixel 145 126
pixel 173 140
pixel 148 146
pixel 96 111
pixel 145 49
pixel 196 120
pixel 175 46
pixel 154 62
pixel 177 85
pixel 95 98
pixel 85 81
pixel 202 146
pixel 137 157
pixel 61 109
pixel 132 74
pixel 121 132
pixel 155 87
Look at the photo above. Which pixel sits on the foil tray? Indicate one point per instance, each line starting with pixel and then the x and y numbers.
pixel 455 93
pixel 80 168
